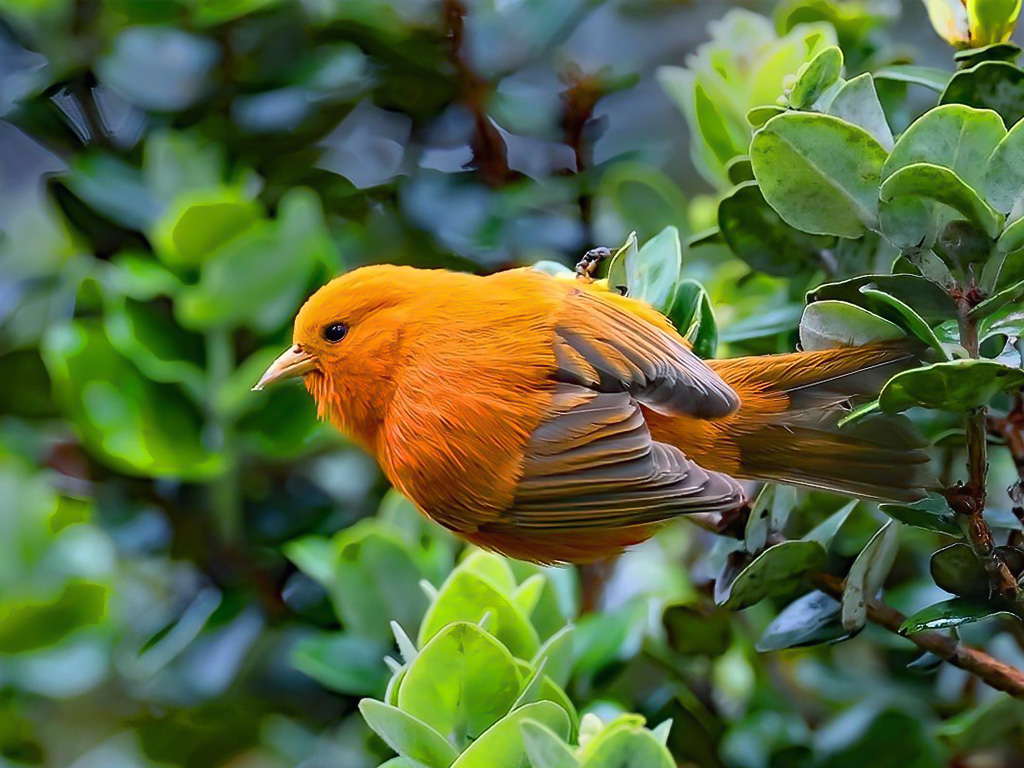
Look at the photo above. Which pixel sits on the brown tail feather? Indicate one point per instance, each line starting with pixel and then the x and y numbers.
pixel 786 429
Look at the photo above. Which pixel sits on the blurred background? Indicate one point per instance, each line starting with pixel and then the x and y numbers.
pixel 176 176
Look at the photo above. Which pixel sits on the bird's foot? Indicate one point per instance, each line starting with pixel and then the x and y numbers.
pixel 586 266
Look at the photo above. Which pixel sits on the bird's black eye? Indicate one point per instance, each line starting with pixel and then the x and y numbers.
pixel 335 332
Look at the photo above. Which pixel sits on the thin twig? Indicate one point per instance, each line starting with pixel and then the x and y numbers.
pixel 968 501
pixel 1000 676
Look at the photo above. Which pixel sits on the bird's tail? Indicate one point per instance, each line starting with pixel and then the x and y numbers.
pixel 787 428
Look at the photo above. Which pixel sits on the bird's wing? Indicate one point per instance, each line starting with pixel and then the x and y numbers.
pixel 601 344
pixel 592 464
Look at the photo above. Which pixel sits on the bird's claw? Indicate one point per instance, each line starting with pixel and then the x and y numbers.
pixel 586 266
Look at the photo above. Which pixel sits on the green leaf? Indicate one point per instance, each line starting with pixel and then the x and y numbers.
pixel 462 682
pixel 912 321
pixel 113 188
pixel 758 116
pixel 809 620
pixel 1011 295
pixel 931 514
pixel 951 613
pixel 638 196
pixel 1012 238
pixel 819 173
pixel 653 273
pixel 504 744
pixel 867 574
pixel 545 748
pixel 857 103
pixel 175 164
pixel 930 77
pixel 758 235
pixel 133 424
pixel 762 324
pixel 695 632
pixel 958 385
pixel 942 185
pixel 557 655
pixel 927 299
pixel 815 77
pixel 739 169
pixel 993 52
pixel 755 535
pixel 27 624
pixel 1004 174
pixel 342 662
pixel 775 571
pixel 826 530
pixel 994 85
pixel 618 278
pixel 957 570
pixel 694 317
pixel 200 222
pixel 555 269
pixel 952 136
pixel 712 126
pixel 466 596
pixel 830 324
pixel 626 746
pixel 407 735
pixel 375 581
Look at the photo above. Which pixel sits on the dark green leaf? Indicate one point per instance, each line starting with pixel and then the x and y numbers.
pixel 926 298
pixel 959 385
pixel 342 662
pixel 819 173
pixel 951 613
pixel 695 632
pixel 694 317
pixel 968 57
pixel 931 514
pixel 27 624
pixel 775 571
pixel 759 236
pixel 829 324
pixel 957 570
pixel 942 185
pixel 994 85
pixel 809 620
pixel 867 575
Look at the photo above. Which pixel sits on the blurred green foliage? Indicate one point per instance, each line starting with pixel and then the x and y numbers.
pixel 195 575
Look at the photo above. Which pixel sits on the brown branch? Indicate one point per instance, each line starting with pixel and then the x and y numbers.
pixel 968 501
pixel 490 155
pixel 1000 676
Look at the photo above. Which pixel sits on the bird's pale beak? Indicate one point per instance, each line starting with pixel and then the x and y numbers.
pixel 294 362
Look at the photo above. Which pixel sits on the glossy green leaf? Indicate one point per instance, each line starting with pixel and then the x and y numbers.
pixel 995 85
pixel 758 116
pixel 809 620
pixel 755 535
pixel 958 385
pixel 968 57
pixel 931 514
pixel 467 597
pixel 828 324
pixel 867 575
pixel 713 127
pixel 625 747
pixel 653 273
pixel 503 743
pixel 942 185
pixel 618 277
pixel 930 77
pixel 407 735
pixel 927 299
pixel 1009 295
pixel 957 570
pixel 1012 238
pixel 545 748
pixel 826 530
pixel 910 320
pixel 739 169
pixel 462 682
pixel 857 103
pixel 557 655
pixel 1004 175
pixel 951 613
pixel 759 236
pixel 819 173
pixel 814 77
pixel 775 571
pixel 694 317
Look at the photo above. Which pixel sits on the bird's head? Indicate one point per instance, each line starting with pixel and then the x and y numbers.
pixel 345 344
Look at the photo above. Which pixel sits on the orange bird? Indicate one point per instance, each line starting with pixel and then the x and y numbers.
pixel 555 421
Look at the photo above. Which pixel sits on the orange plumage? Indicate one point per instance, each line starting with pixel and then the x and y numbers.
pixel 553 421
